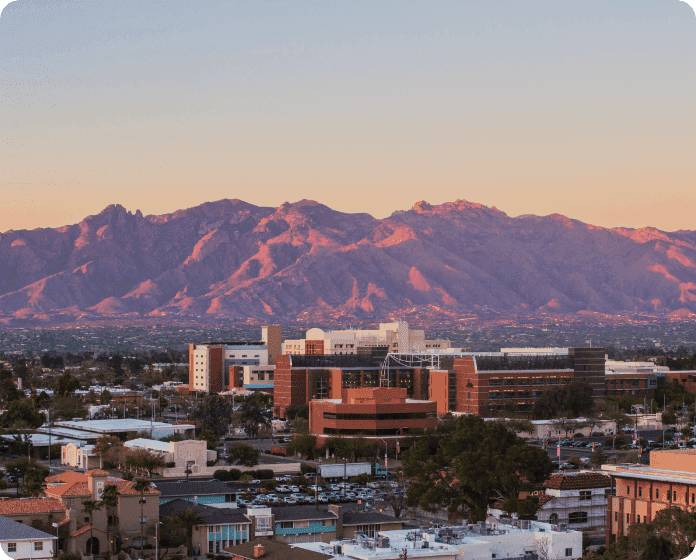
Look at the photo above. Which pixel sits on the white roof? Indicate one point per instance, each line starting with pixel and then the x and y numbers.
pixel 115 425
pixel 152 444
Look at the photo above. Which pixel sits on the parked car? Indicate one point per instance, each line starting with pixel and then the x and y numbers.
pixel 294 488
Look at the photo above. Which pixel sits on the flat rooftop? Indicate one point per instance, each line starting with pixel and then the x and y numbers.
pixel 115 425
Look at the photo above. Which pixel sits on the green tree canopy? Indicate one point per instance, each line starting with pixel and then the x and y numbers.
pixel 574 399
pixel 214 413
pixel 67 385
pixel 22 414
pixel 469 464
pixel 244 455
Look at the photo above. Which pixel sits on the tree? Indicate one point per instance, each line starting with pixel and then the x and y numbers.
pixel 214 413
pixel 68 408
pixel 598 458
pixel 105 397
pixel 574 399
pixel 141 486
pixel 244 455
pixel 396 497
pixel 468 465
pixel 187 519
pixel 34 478
pixel 18 468
pixel 67 385
pixel 109 500
pixel 669 418
pixel 89 507
pixel 295 411
pixel 22 414
pixel 209 437
pixel 304 445
pixel 107 447
pixel 253 418
pixel 171 535
pixel 657 548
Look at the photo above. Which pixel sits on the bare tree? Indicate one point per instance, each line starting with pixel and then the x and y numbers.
pixel 543 548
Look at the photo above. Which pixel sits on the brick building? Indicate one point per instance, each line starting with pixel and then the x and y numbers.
pixel 484 383
pixel 686 379
pixel 370 412
pixel 214 367
pixel 640 492
pixel 301 378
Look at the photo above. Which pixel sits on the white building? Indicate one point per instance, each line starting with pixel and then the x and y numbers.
pixel 576 500
pixel 258 377
pixel 211 365
pixel 396 336
pixel 479 542
pixel 192 451
pixel 19 541
pixel 79 455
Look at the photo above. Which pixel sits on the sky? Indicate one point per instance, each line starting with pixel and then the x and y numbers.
pixel 582 108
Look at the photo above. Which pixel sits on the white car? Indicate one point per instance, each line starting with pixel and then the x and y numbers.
pixel 294 488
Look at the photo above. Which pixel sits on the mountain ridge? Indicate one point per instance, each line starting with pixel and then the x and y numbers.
pixel 232 259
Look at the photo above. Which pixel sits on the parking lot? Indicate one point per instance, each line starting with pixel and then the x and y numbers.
pixel 286 493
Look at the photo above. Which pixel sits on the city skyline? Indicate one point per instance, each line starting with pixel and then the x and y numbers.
pixel 554 107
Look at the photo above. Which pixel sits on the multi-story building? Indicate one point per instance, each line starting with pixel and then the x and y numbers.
pixel 196 491
pixel 685 378
pixel 640 492
pixel 272 337
pixel 258 377
pixel 191 452
pixel 301 378
pixel 221 527
pixel 636 379
pixel 397 337
pixel 370 413
pixel 578 501
pixel 89 533
pixel 211 365
pixel 485 382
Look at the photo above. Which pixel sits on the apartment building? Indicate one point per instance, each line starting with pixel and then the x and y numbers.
pixel 639 492
pixel 397 337
pixel 71 489
pixel 577 500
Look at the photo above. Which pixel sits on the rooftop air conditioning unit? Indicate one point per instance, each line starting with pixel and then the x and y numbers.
pixel 383 542
pixel 564 527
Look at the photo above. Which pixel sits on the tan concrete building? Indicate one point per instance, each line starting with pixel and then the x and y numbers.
pixel 124 524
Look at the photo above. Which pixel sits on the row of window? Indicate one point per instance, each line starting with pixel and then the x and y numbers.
pixel 12 547
pixel 304 524
pixel 385 416
pixel 514 395
pixel 657 494
pixel 511 382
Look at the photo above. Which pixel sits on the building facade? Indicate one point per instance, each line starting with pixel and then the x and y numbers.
pixel 211 364
pixel 370 413
pixel 640 492
pixel 272 337
pixel 397 337
pixel 301 378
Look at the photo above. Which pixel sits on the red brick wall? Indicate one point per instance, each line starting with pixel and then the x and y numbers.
pixel 469 399
pixel 438 390
pixel 234 377
pixel 216 358
pixel 289 386
pixel 314 347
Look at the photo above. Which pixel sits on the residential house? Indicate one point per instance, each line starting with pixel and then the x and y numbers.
pixel 21 542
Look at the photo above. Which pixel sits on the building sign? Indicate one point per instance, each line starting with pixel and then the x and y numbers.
pixel 263 526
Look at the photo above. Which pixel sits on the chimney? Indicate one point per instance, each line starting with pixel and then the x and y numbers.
pixel 259 551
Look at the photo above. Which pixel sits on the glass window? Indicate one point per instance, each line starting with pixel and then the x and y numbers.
pixel 569 552
pixel 577 517
pixel 12 547
pixel 38 545
pixel 585 495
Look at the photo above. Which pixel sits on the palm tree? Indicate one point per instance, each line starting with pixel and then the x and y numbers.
pixel 110 502
pixel 188 519
pixel 140 486
pixel 89 507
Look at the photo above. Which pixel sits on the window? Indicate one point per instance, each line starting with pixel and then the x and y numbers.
pixel 301 524
pixel 329 522
pixel 11 547
pixel 628 518
pixel 585 495
pixel 657 493
pixel 628 490
pixel 86 519
pixel 616 516
pixel 286 525
pixel 609 492
pixel 143 519
pixel 569 552
pixel 38 545
pixel 640 492
pixel 674 495
pixel 576 517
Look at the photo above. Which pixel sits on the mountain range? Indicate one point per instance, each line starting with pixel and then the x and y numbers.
pixel 231 259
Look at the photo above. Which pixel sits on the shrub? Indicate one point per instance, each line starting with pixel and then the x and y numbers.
pixel 221 475
pixel 262 474
pixel 270 485
pixel 235 474
pixel 304 469
pixel 170 465
pixel 211 463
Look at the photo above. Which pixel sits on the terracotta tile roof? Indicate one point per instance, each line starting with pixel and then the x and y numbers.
pixel 68 489
pixel 67 476
pixel 126 487
pixel 86 527
pixel 97 472
pixel 578 481
pixel 30 505
pixel 545 499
